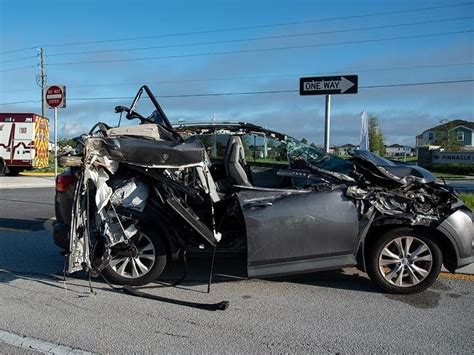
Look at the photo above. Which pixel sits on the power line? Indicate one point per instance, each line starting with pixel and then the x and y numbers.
pixel 261 38
pixel 430 66
pixel 19 68
pixel 17 59
pixel 282 75
pixel 253 92
pixel 245 27
pixel 263 49
pixel 416 84
pixel 17 50
pixel 18 102
pixel 274 91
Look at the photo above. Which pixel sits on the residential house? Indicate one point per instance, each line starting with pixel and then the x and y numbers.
pixel 462 130
pixel 343 149
pixel 398 150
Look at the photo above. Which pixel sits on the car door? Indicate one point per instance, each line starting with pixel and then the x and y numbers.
pixel 295 231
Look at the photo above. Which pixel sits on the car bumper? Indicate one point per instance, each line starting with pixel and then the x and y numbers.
pixel 465 261
pixel 459 229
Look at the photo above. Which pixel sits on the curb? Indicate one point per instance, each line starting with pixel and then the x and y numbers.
pixel 36 174
pixel 38 345
pixel 465 277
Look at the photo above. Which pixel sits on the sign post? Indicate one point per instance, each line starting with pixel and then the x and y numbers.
pixel 328 85
pixel 55 96
pixel 327 123
pixel 55 141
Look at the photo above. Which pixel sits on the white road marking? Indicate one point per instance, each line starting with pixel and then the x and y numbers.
pixel 38 345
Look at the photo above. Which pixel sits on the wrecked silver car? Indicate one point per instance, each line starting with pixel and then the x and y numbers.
pixel 147 193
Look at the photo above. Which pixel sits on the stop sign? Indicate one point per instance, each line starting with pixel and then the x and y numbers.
pixel 55 96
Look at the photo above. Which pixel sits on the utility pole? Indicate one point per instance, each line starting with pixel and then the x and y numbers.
pixel 41 78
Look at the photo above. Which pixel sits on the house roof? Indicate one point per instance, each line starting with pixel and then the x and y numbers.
pixel 395 146
pixel 450 125
pixel 348 145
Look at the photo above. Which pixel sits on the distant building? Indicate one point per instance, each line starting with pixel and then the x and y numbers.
pixel 398 150
pixel 343 149
pixel 461 129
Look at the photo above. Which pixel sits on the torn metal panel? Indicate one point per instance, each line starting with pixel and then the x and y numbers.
pixel 192 220
pixel 99 177
pixel 79 239
pixel 144 130
pixel 416 205
pixel 131 194
pixel 115 230
pixel 142 151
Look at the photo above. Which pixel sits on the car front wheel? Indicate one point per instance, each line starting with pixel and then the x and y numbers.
pixel 403 261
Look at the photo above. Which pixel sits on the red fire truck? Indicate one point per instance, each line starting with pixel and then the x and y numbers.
pixel 24 139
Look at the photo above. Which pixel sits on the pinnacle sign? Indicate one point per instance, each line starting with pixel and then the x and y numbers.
pixel 329 85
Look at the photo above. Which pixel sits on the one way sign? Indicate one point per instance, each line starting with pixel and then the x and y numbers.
pixel 329 85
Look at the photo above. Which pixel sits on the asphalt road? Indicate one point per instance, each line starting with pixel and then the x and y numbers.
pixel 327 312
pixel 26 208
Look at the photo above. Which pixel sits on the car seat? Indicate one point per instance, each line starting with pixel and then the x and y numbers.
pixel 235 163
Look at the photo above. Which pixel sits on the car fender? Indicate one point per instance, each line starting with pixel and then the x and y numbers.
pixel 456 229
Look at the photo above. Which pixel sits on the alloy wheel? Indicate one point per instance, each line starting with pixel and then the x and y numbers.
pixel 405 261
pixel 140 263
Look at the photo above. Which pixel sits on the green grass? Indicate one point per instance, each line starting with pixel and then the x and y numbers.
pixel 50 167
pixel 402 159
pixel 449 176
pixel 468 199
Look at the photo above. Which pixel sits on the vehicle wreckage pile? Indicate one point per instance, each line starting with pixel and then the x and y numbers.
pixel 416 202
pixel 146 193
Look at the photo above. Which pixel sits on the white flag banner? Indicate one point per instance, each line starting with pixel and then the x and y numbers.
pixel 364 131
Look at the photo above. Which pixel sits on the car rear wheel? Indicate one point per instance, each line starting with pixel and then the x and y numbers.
pixel 404 260
pixel 138 264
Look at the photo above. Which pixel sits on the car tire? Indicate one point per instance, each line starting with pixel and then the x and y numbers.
pixel 14 171
pixel 403 261
pixel 147 265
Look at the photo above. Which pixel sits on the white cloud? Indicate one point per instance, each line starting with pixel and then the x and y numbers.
pixel 72 128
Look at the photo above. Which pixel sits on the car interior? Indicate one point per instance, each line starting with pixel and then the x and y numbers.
pixel 233 168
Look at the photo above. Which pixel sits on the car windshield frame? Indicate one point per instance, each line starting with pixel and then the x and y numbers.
pixel 298 150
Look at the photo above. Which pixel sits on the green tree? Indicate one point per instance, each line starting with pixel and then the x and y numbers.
pixel 376 137
pixel 64 142
pixel 247 142
pixel 447 137
pixel 304 140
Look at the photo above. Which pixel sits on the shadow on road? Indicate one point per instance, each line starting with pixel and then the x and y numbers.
pixel 33 256
pixel 35 224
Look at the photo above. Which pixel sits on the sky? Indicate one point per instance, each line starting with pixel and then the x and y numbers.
pixel 171 46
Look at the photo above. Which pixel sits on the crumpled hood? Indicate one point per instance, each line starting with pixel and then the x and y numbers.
pixel 384 171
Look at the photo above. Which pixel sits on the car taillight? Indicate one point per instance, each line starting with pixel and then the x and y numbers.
pixel 63 182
